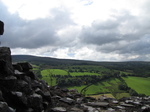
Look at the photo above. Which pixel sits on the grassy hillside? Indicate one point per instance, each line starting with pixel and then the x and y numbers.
pixel 103 77
pixel 110 86
pixel 105 87
pixel 139 84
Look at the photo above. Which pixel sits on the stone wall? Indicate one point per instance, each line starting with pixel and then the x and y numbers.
pixel 20 89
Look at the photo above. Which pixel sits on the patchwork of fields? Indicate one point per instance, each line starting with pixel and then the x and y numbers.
pixel 114 78
pixel 110 86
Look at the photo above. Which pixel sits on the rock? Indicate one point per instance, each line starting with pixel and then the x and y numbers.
pixel 91 109
pixel 65 90
pixel 35 101
pixel 23 86
pixel 115 102
pixel 31 75
pixel 8 82
pixel 18 73
pixel 5 108
pixel 146 110
pixel 17 67
pixel 1 28
pixel 45 94
pixel 35 84
pixel 25 66
pixel 68 100
pixel 111 110
pixel 98 104
pixel 75 109
pixel 18 100
pixel 127 105
pixel 5 62
pixel 120 107
pixel 1 96
pixel 79 100
pixel 59 109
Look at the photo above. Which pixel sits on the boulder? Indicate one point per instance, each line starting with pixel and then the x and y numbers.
pixel 1 28
pixel 35 101
pixel 1 96
pixel 19 99
pixel 25 66
pixel 59 109
pixel 98 104
pixel 24 87
pixel 5 108
pixel 6 67
pixel 68 100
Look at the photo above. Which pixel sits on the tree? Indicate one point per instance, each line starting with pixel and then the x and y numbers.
pixel 133 92
pixel 50 76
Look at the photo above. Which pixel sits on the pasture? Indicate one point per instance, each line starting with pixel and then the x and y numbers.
pixel 139 84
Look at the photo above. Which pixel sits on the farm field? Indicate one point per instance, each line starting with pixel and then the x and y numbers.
pixel 139 84
pixel 46 75
pixel 47 72
pixel 109 86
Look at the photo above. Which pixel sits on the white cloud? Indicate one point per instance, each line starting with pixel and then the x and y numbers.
pixel 102 30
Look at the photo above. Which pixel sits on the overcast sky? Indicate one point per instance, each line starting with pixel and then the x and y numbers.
pixel 98 30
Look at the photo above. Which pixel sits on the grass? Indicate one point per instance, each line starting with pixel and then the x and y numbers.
pixel 110 86
pixel 48 80
pixel 46 75
pixel 139 84
pixel 120 95
pixel 35 67
pixel 46 72
pixel 98 96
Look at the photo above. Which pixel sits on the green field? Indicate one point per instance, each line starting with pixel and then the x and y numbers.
pixel 139 84
pixel 46 72
pixel 46 75
pixel 110 86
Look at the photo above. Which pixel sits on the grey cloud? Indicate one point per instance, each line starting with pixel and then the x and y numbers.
pixel 124 34
pixel 100 33
pixel 34 33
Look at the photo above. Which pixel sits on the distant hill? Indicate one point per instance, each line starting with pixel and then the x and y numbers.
pixel 50 61
pixel 56 61
pixel 136 66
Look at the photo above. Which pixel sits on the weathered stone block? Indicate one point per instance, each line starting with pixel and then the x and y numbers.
pixel 6 67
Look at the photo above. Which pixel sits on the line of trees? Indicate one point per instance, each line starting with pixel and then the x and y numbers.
pixel 68 80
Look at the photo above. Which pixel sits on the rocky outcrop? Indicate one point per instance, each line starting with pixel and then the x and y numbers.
pixel 1 28
pixel 22 91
